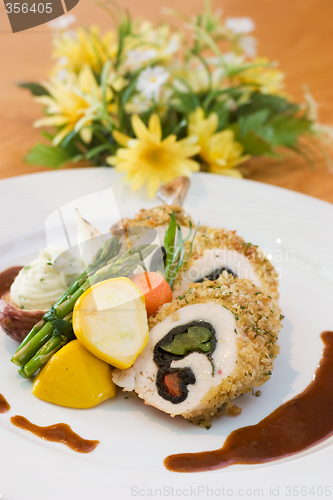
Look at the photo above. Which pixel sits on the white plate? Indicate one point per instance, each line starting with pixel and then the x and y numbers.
pixel 134 439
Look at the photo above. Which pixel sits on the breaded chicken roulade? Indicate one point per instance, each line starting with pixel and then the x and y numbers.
pixel 149 226
pixel 214 251
pixel 218 250
pixel 205 348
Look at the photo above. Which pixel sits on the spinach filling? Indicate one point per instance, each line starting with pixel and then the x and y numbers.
pixel 195 336
pixel 195 339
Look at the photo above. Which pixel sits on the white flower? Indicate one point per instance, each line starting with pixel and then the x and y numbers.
pixel 240 24
pixel 62 23
pixel 311 104
pixel 232 59
pixel 138 104
pixel 231 105
pixel 249 45
pixel 172 47
pixel 198 80
pixel 62 61
pixel 137 57
pixel 62 75
pixel 151 80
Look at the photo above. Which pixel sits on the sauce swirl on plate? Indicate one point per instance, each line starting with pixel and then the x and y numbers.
pixel 4 406
pixel 57 433
pixel 295 426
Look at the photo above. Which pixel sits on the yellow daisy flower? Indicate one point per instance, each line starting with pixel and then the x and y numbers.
pixel 224 153
pixel 219 150
pixel 150 160
pixel 86 47
pixel 265 79
pixel 73 104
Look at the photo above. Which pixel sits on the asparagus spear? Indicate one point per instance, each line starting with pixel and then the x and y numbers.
pixel 102 257
pixel 47 350
pixel 30 354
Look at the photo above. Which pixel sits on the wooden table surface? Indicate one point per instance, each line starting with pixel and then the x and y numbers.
pixel 296 33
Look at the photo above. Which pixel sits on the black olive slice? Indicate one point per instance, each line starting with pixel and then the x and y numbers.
pixel 176 392
pixel 216 274
pixel 158 260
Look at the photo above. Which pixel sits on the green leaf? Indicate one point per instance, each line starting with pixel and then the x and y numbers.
pixel 287 129
pixel 77 158
pixel 190 91
pixel 261 131
pixel 68 139
pixel 253 144
pixel 253 122
pixel 186 103
pixel 47 135
pixel 275 104
pixel 223 115
pixel 256 146
pixel 182 260
pixel 196 339
pixel 99 149
pixel 61 326
pixel 35 88
pixel 236 70
pixel 305 153
pixel 169 243
pixel 175 249
pixel 104 77
pixel 129 90
pixel 48 156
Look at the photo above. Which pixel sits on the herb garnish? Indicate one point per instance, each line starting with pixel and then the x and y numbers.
pixel 174 245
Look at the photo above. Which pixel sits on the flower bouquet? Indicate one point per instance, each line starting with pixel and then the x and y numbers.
pixel 157 102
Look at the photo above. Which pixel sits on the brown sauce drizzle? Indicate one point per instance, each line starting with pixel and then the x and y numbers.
pixel 295 426
pixel 4 406
pixel 7 277
pixel 57 433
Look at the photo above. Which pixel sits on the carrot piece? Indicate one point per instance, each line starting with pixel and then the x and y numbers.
pixel 155 289
pixel 172 382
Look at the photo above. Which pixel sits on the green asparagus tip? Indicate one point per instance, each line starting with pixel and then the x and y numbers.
pixel 22 372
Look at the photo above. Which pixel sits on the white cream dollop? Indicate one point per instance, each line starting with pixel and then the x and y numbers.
pixel 41 283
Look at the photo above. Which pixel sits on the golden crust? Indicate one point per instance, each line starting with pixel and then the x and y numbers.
pixel 153 217
pixel 208 238
pixel 258 324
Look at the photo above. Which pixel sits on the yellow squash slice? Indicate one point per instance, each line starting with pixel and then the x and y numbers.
pixel 75 378
pixel 110 320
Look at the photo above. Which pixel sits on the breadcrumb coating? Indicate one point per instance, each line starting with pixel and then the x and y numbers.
pixel 153 217
pixel 208 238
